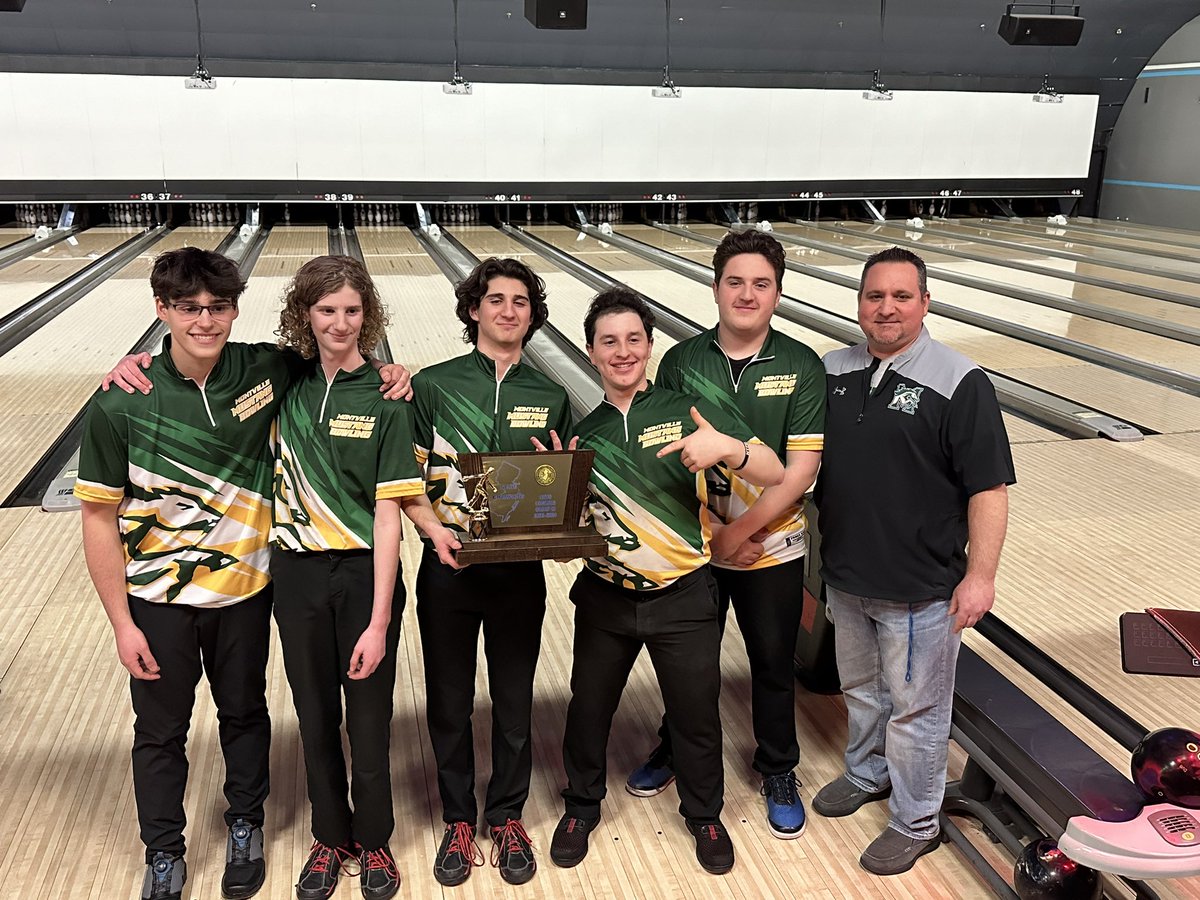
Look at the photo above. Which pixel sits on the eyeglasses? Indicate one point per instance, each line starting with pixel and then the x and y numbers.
pixel 219 310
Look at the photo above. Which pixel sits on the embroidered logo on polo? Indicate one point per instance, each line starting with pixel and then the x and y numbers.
pixel 906 399
pixel 775 385
pixel 252 401
pixel 529 417
pixel 653 435
pixel 346 425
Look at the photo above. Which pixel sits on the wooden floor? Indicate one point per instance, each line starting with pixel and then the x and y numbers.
pixel 1097 528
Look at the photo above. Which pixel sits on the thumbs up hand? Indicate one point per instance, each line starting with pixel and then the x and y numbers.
pixel 705 446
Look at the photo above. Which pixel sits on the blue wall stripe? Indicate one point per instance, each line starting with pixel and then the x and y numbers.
pixel 1153 184
pixel 1168 73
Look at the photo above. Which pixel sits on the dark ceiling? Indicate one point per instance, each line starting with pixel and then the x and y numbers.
pixel 922 43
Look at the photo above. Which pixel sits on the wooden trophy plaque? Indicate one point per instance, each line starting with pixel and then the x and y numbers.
pixel 526 505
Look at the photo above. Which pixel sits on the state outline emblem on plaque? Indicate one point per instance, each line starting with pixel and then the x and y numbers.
pixel 526 505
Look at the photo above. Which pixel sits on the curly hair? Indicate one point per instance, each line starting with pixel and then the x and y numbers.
pixel 472 289
pixel 316 279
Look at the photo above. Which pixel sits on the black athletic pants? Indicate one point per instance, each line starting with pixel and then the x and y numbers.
pixel 678 626
pixel 508 601
pixel 229 645
pixel 768 603
pixel 322 606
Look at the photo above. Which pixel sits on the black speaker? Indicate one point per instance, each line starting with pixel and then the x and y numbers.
pixel 557 13
pixel 1044 31
pixel 12 5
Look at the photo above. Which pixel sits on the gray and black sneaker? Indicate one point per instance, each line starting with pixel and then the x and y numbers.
pixel 319 877
pixel 245 868
pixel 166 874
pixel 457 855
pixel 379 878
pixel 512 852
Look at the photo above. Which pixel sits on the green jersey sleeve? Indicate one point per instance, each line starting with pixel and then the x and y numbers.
pixel 398 474
pixel 806 417
pixel 103 458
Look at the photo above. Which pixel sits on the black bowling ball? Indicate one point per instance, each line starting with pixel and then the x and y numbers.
pixel 1166 766
pixel 1044 872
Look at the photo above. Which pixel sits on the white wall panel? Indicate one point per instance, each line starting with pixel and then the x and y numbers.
pixel 386 118
pixel 128 127
pixel 10 142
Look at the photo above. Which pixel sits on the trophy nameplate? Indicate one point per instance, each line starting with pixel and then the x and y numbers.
pixel 525 505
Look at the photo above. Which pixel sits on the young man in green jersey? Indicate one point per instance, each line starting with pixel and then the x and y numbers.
pixel 176 496
pixel 487 400
pixel 649 497
pixel 778 386
pixel 344 468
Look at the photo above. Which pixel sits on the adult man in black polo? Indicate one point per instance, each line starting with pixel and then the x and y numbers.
pixel 917 465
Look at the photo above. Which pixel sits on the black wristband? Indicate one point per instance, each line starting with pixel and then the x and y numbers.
pixel 745 459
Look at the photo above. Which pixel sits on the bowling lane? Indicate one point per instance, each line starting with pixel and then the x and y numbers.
pixel 47 378
pixel 1150 244
pixel 1074 560
pixel 870 239
pixel 694 300
pixel 14 233
pixel 567 296
pixel 286 250
pixel 1185 236
pixel 1130 342
pixel 1098 255
pixel 422 329
pixel 36 274
pixel 1159 408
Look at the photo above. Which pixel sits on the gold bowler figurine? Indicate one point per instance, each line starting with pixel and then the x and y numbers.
pixel 485 485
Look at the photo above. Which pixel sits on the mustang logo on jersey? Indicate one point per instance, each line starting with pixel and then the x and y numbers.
pixel 906 399
pixel 346 425
pixel 775 385
pixel 253 400
pixel 653 435
pixel 528 417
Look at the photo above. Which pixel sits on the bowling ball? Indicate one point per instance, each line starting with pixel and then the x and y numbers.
pixel 1166 766
pixel 1044 872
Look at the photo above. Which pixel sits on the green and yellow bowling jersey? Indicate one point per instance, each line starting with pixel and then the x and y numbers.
pixel 190 470
pixel 340 446
pixel 653 512
pixel 781 395
pixel 461 406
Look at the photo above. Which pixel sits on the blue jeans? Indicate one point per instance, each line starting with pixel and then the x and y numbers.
pixel 897 664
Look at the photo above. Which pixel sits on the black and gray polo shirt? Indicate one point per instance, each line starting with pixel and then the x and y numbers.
pixel 908 440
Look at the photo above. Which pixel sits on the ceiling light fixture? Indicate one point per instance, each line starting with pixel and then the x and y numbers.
pixel 200 80
pixel 1046 93
pixel 457 84
pixel 877 90
pixel 667 90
